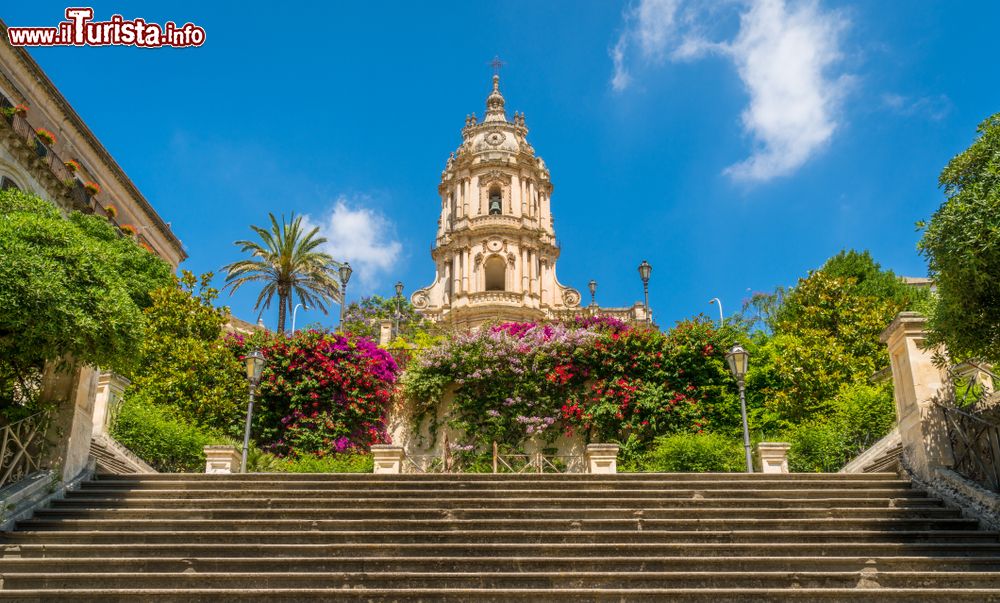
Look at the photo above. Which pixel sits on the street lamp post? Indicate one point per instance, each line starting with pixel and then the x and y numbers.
pixel 592 285
pixel 716 300
pixel 255 366
pixel 399 308
pixel 294 312
pixel 345 275
pixel 738 360
pixel 644 271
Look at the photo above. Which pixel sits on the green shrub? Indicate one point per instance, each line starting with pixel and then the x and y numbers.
pixel 816 447
pixel 340 463
pixel 691 452
pixel 861 414
pixel 166 442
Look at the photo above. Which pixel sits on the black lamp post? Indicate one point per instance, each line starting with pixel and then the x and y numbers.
pixel 255 366
pixel 644 271
pixel 399 307
pixel 738 360
pixel 345 275
pixel 592 285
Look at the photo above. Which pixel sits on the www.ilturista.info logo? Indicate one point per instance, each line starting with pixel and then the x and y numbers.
pixel 79 29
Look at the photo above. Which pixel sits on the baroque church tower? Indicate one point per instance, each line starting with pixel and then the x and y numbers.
pixel 495 252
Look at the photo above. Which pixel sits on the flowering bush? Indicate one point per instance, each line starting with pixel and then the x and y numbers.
pixel 45 136
pixel 320 393
pixel 92 188
pixel 595 376
pixel 72 165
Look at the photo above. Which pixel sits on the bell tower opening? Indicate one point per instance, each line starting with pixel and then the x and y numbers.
pixel 496 274
pixel 496 201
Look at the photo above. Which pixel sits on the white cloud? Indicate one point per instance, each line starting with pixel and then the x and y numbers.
pixel 934 108
pixel 784 56
pixel 362 236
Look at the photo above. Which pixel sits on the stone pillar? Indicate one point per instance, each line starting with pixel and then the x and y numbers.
pixel 602 458
pixel 72 389
pixel 222 459
pixel 385 332
pixel 110 388
pixel 388 458
pixel 773 457
pixel 916 383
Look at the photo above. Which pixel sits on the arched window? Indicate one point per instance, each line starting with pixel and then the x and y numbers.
pixel 6 183
pixel 496 274
pixel 496 202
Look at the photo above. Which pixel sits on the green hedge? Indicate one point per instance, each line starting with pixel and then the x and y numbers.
pixel 165 441
pixel 341 463
pixel 691 452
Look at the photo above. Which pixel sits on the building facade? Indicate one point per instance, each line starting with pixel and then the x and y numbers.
pixel 66 171
pixel 495 251
pixel 46 149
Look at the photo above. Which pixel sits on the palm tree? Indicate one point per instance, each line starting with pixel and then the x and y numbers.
pixel 288 262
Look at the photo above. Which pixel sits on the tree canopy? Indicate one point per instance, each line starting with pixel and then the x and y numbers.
pixel 288 263
pixel 69 286
pixel 962 245
pixel 184 362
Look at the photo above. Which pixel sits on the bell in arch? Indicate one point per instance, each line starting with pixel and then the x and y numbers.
pixel 496 206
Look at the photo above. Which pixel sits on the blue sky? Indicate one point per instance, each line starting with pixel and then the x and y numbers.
pixel 735 145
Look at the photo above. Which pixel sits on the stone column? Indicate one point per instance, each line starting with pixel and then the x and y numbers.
pixel 388 459
pixel 602 458
pixel 916 383
pixel 773 457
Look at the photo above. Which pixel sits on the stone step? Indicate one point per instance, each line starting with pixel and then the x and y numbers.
pixel 438 503
pixel 575 478
pixel 242 483
pixel 644 524
pixel 30 548
pixel 488 495
pixel 623 538
pixel 503 580
pixel 267 510
pixel 637 563
pixel 464 595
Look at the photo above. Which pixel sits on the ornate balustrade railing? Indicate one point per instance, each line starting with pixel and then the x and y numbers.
pixel 973 424
pixel 22 445
pixel 449 462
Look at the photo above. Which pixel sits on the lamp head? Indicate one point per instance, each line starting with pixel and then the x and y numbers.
pixel 738 360
pixel 644 271
pixel 255 366
pixel 345 273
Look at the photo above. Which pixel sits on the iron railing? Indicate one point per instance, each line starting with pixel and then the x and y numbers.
pixel 973 427
pixel 22 446
pixel 81 200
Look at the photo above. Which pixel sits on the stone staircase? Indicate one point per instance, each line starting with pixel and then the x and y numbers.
pixel 626 537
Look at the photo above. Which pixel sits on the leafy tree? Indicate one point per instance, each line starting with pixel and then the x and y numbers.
pixel 826 335
pixel 69 286
pixel 289 264
pixel 184 362
pixel 363 318
pixel 962 245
